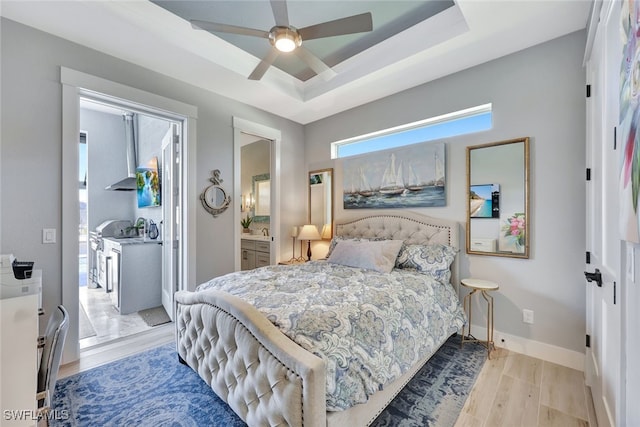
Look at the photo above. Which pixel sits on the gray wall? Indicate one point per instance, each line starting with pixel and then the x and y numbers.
pixel 31 151
pixel 105 148
pixel 538 92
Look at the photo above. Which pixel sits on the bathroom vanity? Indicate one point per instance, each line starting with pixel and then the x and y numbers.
pixel 255 251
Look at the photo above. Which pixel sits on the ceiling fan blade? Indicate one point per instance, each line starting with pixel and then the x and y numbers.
pixel 280 12
pixel 264 65
pixel 349 25
pixel 320 68
pixel 224 28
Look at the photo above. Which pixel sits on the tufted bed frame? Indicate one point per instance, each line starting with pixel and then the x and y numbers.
pixel 266 378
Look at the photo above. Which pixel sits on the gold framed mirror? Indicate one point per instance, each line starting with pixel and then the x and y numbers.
pixel 498 199
pixel 321 201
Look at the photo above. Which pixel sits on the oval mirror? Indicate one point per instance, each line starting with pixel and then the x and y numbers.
pixel 498 199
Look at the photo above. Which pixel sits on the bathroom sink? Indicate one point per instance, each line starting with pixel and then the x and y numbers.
pixel 256 237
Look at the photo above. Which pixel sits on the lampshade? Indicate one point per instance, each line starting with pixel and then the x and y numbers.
pixel 326 232
pixel 309 232
pixel 294 231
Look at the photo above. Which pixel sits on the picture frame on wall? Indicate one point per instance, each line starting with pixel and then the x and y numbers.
pixel 408 177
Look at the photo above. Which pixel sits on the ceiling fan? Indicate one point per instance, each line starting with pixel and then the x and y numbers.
pixel 287 38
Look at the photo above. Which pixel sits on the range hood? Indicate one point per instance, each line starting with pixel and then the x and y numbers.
pixel 128 182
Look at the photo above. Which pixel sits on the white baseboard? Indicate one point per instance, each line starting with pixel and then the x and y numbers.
pixel 548 352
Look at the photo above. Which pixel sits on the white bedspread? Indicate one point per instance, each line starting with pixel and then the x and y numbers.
pixel 368 327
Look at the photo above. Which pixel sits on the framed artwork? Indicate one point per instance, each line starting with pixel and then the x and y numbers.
pixel 484 201
pixel 148 185
pixel 629 120
pixel 407 177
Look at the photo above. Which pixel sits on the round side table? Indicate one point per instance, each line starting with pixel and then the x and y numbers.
pixel 482 286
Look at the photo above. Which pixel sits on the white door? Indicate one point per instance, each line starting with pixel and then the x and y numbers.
pixel 603 356
pixel 170 217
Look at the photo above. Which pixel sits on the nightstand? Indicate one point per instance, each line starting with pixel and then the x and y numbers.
pixel 483 287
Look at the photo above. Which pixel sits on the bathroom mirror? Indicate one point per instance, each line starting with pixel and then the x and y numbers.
pixel 321 201
pixel 262 197
pixel 498 199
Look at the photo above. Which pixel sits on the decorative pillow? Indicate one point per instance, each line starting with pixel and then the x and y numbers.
pixel 377 255
pixel 434 260
pixel 337 239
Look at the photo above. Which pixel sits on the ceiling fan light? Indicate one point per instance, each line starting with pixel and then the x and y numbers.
pixel 285 43
pixel 285 39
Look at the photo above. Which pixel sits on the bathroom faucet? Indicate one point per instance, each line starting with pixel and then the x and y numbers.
pixel 265 231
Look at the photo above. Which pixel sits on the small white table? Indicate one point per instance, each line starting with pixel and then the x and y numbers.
pixel 482 286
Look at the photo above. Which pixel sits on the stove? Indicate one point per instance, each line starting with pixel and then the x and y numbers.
pixel 97 258
pixel 116 228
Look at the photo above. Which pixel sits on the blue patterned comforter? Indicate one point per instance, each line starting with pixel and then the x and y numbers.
pixel 368 327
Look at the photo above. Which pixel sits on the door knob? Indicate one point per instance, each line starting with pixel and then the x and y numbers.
pixel 594 277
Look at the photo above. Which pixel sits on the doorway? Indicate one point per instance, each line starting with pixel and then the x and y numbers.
pixel 75 87
pixel 260 183
pixel 119 148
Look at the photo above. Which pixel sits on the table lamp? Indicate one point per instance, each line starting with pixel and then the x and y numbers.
pixel 309 232
pixel 326 232
pixel 294 234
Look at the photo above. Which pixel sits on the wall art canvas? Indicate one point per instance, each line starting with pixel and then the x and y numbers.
pixel 407 177
pixel 629 181
pixel 148 184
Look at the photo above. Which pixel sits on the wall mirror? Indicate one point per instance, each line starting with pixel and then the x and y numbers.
pixel 262 197
pixel 214 199
pixel 498 199
pixel 321 201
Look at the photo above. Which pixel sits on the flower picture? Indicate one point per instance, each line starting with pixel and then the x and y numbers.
pixel 514 231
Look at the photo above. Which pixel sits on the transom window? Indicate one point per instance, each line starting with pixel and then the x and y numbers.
pixel 475 119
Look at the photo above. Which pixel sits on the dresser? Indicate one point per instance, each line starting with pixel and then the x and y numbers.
pixel 20 302
pixel 254 253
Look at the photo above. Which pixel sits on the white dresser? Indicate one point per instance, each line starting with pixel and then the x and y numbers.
pixel 20 301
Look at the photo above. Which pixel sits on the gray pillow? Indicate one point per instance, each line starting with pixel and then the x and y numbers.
pixel 377 255
pixel 433 259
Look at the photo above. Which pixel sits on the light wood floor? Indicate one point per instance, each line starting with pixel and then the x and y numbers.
pixel 511 390
pixel 119 348
pixel 517 390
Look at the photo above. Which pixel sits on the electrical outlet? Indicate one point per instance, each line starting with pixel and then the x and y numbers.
pixel 527 316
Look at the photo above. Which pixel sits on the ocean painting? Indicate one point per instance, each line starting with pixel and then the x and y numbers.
pixel 412 176
pixel 481 201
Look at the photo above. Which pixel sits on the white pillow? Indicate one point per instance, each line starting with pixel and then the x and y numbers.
pixel 377 255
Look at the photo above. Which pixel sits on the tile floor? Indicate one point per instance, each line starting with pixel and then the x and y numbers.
pixel 107 323
pixel 517 390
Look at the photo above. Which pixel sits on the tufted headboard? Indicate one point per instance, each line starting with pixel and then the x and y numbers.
pixel 411 227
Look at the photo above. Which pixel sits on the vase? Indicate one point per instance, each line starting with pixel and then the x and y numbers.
pixel 246 230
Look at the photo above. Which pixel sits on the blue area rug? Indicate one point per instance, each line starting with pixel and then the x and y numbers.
pixel 154 389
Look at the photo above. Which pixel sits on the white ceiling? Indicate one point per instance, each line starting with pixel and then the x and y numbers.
pixel 467 34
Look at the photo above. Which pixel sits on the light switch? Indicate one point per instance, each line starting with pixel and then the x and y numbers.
pixel 48 235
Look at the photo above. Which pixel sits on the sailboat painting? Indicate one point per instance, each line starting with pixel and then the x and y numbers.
pixel 411 176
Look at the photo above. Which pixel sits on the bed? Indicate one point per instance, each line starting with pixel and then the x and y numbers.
pixel 269 375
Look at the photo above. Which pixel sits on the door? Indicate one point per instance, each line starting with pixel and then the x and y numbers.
pixel 170 217
pixel 603 355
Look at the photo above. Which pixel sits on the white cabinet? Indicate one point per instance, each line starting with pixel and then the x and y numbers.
pixel 19 306
pixel 135 273
pixel 254 254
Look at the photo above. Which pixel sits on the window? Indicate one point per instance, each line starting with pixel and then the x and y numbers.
pixel 471 120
